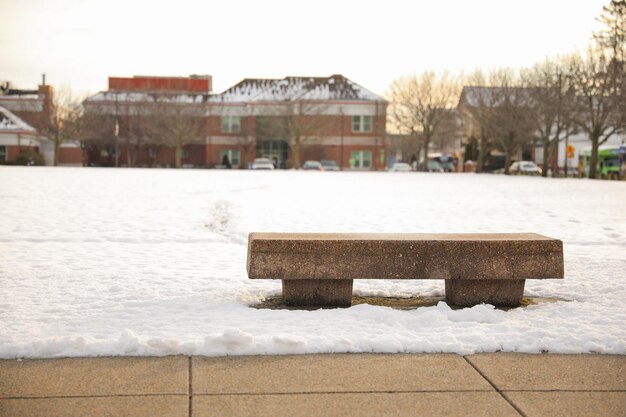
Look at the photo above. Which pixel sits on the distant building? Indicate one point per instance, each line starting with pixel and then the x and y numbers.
pixel 24 117
pixel 16 136
pixel 288 120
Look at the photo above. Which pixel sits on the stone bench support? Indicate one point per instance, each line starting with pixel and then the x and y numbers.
pixel 318 269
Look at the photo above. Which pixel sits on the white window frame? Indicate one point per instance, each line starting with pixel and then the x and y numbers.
pixel 358 162
pixel 231 124
pixel 361 123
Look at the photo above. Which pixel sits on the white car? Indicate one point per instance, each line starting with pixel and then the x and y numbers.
pixel 400 167
pixel 262 163
pixel 524 168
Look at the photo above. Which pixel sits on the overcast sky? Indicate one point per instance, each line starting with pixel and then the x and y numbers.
pixel 82 42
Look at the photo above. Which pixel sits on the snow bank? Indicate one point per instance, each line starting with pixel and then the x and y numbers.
pixel 152 262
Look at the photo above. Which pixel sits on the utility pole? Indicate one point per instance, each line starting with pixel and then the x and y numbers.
pixel 117 134
pixel 341 149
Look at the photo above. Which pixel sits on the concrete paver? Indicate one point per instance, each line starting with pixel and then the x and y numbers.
pixel 517 371
pixel 136 406
pixel 569 403
pixel 334 373
pixel 341 404
pixel 308 385
pixel 81 377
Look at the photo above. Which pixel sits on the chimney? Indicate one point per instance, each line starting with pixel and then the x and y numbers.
pixel 43 79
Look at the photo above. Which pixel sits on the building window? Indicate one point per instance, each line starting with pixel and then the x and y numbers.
pixel 3 153
pixel 361 123
pixel 231 124
pixel 184 153
pixel 361 159
pixel 232 155
pixel 153 151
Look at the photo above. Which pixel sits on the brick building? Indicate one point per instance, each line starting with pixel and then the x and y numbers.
pixel 289 120
pixel 16 136
pixel 25 116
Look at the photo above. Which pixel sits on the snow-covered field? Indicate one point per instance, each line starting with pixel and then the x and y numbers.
pixel 152 262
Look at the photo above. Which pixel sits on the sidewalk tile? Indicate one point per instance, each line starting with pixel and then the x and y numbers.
pixel 148 406
pixel 334 373
pixel 523 372
pixel 569 404
pixel 73 377
pixel 449 404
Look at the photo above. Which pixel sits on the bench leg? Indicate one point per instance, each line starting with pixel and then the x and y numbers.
pixel 498 292
pixel 317 292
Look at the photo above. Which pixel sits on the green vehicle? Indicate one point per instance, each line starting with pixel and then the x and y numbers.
pixel 609 161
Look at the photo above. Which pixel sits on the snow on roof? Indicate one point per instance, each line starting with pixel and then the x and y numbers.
pixel 142 97
pixel 250 90
pixel 335 87
pixel 10 122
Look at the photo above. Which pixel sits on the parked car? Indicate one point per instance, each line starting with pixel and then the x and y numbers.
pixel 524 168
pixel 262 163
pixel 312 166
pixel 400 167
pixel 329 165
pixel 433 166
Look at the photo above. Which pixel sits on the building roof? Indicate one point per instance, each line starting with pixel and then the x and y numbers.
pixel 476 96
pixel 9 122
pixel 335 87
pixel 151 97
pixel 255 90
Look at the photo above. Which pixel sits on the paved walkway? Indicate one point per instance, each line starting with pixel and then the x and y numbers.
pixel 501 384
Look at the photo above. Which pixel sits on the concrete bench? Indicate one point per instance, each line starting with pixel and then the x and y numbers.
pixel 317 269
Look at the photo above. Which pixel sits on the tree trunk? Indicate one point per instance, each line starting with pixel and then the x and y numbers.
pixel 507 161
pixel 426 146
pixel 593 161
pixel 57 145
pixel 128 156
pixel 546 157
pixel 179 151
pixel 296 155
pixel 481 154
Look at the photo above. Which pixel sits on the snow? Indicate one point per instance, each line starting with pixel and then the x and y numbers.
pixel 147 97
pixel 10 122
pixel 335 87
pixel 152 262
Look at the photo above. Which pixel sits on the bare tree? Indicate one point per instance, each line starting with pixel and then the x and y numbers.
pixel 175 125
pixel 551 95
pixel 597 107
pixel 510 123
pixel 300 122
pixel 613 34
pixel 65 113
pixel 420 104
pixel 475 107
pixel 135 127
pixel 613 39
pixel 447 137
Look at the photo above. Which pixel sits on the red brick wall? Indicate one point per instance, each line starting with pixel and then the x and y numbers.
pixel 70 156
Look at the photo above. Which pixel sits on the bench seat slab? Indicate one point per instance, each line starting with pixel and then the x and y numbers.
pixel 317 269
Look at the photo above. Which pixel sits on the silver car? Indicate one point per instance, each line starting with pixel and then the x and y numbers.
pixel 262 163
pixel 524 168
